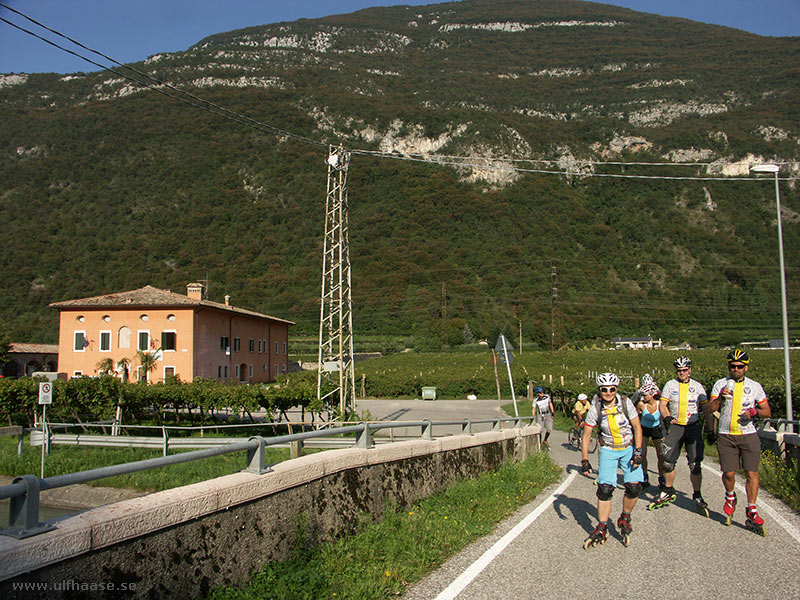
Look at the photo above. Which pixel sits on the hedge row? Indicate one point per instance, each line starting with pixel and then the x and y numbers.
pixel 97 398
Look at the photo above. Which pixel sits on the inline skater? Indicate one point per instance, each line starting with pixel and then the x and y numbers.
pixel 543 411
pixel 681 400
pixel 620 438
pixel 739 400
pixel 650 419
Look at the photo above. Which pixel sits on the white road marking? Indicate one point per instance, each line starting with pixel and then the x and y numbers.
pixel 790 529
pixel 463 580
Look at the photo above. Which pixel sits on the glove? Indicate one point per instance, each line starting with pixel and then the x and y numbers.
pixel 586 467
pixel 669 420
pixel 637 457
pixel 751 412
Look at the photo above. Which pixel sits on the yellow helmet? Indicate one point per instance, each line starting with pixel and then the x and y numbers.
pixel 738 355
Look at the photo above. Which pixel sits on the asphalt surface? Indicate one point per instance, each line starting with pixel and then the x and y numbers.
pixel 674 552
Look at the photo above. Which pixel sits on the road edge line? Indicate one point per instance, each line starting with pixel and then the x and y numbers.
pixel 471 572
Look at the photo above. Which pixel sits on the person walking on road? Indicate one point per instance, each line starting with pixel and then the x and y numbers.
pixel 681 401
pixel 739 400
pixel 543 411
pixel 650 420
pixel 620 436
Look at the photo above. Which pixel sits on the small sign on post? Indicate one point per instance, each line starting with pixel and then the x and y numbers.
pixel 45 398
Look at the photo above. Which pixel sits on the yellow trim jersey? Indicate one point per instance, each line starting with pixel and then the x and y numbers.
pixel 684 400
pixel 616 430
pixel 746 394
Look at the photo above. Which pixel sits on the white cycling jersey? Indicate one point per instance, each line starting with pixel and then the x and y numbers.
pixel 684 400
pixel 616 431
pixel 746 394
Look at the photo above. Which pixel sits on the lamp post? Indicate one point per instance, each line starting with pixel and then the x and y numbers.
pixel 787 368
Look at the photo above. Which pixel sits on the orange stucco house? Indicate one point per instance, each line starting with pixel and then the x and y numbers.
pixel 189 336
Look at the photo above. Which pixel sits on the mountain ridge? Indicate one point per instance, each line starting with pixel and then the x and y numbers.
pixel 183 192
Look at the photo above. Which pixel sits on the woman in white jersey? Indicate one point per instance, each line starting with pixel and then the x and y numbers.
pixel 620 438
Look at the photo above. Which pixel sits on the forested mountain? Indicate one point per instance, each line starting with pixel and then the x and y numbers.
pixel 107 186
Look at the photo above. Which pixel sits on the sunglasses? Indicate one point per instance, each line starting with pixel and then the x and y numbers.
pixel 607 389
pixel 683 370
pixel 732 366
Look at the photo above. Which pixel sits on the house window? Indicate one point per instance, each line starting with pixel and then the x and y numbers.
pixel 237 344
pixel 141 375
pixel 105 341
pixel 169 372
pixel 264 367
pixel 284 368
pixel 144 317
pixel 169 341
pixel 236 371
pixel 107 318
pixel 124 337
pixel 284 347
pixel 252 344
pixel 219 372
pixel 77 374
pixel 80 341
pixel 276 347
pixel 251 370
pixel 277 370
pixel 144 340
pixel 225 344
pixel 226 371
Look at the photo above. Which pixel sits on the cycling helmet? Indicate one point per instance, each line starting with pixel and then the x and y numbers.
pixel 582 397
pixel 538 389
pixel 648 389
pixel 739 355
pixel 682 362
pixel 607 379
pixel 647 378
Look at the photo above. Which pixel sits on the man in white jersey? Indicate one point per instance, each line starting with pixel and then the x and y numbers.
pixel 543 411
pixel 681 400
pixel 739 400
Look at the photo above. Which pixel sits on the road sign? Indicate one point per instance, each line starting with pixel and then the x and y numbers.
pixel 503 349
pixel 45 392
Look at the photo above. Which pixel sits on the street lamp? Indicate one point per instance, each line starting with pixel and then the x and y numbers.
pixel 786 363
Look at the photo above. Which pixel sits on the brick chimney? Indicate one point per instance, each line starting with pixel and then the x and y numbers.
pixel 195 291
pixel 227 300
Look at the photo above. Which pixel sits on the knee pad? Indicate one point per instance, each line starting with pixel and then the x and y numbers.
pixel 668 467
pixel 604 491
pixel 633 489
pixel 695 468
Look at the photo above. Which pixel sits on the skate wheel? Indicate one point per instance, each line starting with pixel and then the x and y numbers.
pixel 728 520
pixel 625 540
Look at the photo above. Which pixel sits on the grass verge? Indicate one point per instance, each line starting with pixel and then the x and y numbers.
pixel 70 459
pixel 383 558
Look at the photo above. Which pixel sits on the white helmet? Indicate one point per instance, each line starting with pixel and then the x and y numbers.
pixel 682 362
pixel 607 379
pixel 582 397
pixel 647 378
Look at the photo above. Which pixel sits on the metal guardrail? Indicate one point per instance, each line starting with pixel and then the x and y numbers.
pixel 24 490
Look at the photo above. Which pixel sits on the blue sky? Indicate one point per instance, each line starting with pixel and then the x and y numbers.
pixel 132 30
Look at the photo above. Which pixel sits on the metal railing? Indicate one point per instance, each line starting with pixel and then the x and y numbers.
pixel 24 491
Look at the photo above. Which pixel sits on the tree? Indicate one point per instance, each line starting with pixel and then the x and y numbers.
pixel 123 365
pixel 147 361
pixel 5 340
pixel 105 366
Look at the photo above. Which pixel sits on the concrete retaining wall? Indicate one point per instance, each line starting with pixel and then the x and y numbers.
pixel 186 541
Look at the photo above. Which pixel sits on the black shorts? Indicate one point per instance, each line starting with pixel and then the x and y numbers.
pixel 655 433
pixel 688 436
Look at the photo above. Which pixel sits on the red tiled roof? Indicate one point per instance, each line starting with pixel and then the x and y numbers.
pixel 154 297
pixel 22 348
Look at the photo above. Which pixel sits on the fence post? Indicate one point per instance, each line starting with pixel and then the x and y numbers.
pixel 165 435
pixel 427 430
pixel 466 428
pixel 364 437
pixel 256 457
pixel 27 506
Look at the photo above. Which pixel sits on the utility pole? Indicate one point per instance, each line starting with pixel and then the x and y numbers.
pixel 554 299
pixel 336 303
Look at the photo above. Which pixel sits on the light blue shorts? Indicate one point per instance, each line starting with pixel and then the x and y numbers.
pixel 611 460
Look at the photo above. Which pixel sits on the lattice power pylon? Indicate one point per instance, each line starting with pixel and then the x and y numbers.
pixel 336 303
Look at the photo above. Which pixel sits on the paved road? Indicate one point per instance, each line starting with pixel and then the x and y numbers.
pixel 675 552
